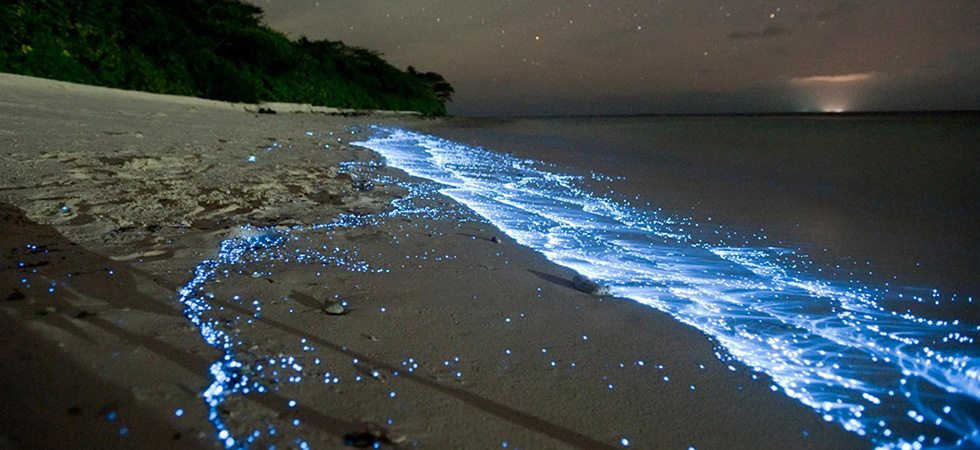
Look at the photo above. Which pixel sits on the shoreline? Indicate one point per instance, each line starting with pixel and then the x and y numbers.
pixel 152 187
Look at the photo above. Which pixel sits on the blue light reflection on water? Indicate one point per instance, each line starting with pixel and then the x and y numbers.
pixel 902 380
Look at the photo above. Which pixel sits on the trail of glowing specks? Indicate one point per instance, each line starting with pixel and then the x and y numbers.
pixel 901 380
pixel 238 372
pixel 233 373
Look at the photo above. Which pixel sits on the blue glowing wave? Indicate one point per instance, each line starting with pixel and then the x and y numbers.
pixel 903 381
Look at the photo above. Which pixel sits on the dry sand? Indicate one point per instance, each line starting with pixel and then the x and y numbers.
pixel 110 199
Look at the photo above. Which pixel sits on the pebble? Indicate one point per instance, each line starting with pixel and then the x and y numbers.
pixel 334 309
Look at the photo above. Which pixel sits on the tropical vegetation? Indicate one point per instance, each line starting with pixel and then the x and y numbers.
pixel 217 49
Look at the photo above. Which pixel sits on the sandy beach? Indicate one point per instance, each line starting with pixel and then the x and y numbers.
pixel 452 335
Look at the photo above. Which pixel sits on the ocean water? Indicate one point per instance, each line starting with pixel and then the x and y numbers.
pixel 837 255
pixel 895 195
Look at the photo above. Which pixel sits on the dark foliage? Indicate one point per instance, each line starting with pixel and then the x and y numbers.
pixel 209 48
pixel 437 84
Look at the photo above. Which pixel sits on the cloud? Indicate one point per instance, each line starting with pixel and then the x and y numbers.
pixel 835 79
pixel 768 32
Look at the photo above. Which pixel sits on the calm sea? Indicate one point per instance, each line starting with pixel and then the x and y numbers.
pixel 896 198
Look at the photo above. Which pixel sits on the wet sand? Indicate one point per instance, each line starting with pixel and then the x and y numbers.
pixel 111 199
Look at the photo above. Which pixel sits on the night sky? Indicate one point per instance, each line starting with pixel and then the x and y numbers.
pixel 671 56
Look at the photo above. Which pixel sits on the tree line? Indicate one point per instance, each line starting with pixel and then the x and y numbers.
pixel 216 49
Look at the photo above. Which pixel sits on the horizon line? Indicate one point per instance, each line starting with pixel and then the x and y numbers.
pixel 731 114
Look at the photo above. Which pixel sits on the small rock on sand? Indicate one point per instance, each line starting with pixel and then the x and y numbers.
pixel 334 309
pixel 588 286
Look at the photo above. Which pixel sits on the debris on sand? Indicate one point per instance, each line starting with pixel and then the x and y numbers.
pixel 588 286
pixel 334 308
pixel 370 434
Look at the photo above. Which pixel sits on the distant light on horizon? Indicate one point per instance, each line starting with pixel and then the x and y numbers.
pixel 834 93
pixel 833 100
pixel 834 108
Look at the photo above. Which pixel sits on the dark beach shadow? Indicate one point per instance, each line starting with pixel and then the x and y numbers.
pixel 553 279
pixel 117 292
pixel 306 300
pixel 43 390
pixel 473 236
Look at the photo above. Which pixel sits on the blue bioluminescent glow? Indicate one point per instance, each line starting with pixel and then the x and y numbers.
pixel 221 316
pixel 902 380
